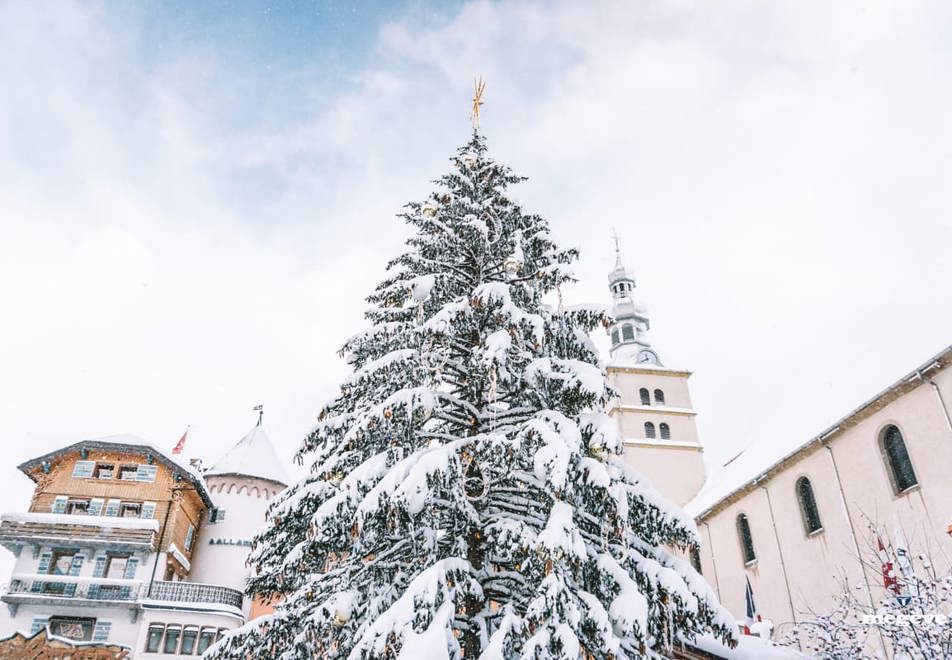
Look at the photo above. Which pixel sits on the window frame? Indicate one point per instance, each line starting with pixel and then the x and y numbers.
pixel 158 627
pixel 805 515
pixel 83 621
pixel 748 552
pixel 659 400
pixel 77 501
pixel 664 431
pixel 650 431
pixel 645 396
pixel 191 628
pixel 891 467
pixel 172 628
pixel 212 633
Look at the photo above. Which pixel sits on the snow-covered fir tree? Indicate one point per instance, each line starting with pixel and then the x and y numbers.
pixel 467 495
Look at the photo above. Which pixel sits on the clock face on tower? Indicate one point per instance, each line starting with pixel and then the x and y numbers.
pixel 647 357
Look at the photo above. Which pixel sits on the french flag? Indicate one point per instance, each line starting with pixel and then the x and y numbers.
pixel 753 616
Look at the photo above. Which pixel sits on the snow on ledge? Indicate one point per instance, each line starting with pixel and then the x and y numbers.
pixel 114 522
pixel 214 608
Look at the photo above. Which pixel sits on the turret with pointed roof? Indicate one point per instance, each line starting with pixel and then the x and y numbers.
pixel 253 456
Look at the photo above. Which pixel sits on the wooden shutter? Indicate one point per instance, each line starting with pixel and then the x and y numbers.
pixel 100 568
pixel 146 473
pixel 37 626
pixel 101 630
pixel 148 510
pixel 112 508
pixel 95 507
pixel 59 504
pixel 83 469
pixel 131 565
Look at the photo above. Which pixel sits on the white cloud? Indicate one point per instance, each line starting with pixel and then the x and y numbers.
pixel 183 239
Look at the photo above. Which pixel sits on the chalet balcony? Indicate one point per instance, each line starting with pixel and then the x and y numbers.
pixel 70 590
pixel 200 596
pixel 129 534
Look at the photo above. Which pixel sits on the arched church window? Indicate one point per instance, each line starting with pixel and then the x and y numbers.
pixel 649 430
pixel 746 541
pixel 627 332
pixel 645 396
pixel 659 397
pixel 615 336
pixel 811 514
pixel 665 431
pixel 897 459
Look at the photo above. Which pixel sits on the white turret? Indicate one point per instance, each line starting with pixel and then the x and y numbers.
pixel 629 343
pixel 241 483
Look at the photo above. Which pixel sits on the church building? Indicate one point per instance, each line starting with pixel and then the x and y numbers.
pixel 798 522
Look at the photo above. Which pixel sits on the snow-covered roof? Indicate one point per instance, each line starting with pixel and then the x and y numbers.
pixel 133 444
pixel 253 456
pixel 760 462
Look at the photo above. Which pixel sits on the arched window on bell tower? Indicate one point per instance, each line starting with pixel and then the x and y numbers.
pixel 649 430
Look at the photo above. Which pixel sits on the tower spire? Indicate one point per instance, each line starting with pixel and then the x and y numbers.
pixel 260 410
pixel 631 319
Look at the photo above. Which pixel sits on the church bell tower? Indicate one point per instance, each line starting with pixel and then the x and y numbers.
pixel 653 407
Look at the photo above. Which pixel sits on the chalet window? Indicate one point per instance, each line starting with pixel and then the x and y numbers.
pixel 172 636
pixel 811 514
pixel 645 396
pixel 695 558
pixel 130 510
pixel 206 638
pixel 189 537
pixel 128 472
pixel 649 430
pixel 627 332
pixel 77 507
pixel 83 469
pixel 897 460
pixel 189 637
pixel 665 431
pixel 104 471
pixel 153 641
pixel 78 630
pixel 746 541
pixel 659 397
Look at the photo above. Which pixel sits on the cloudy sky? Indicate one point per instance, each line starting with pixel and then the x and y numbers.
pixel 195 199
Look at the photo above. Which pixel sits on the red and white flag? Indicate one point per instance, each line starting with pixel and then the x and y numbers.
pixel 180 445
pixel 889 575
